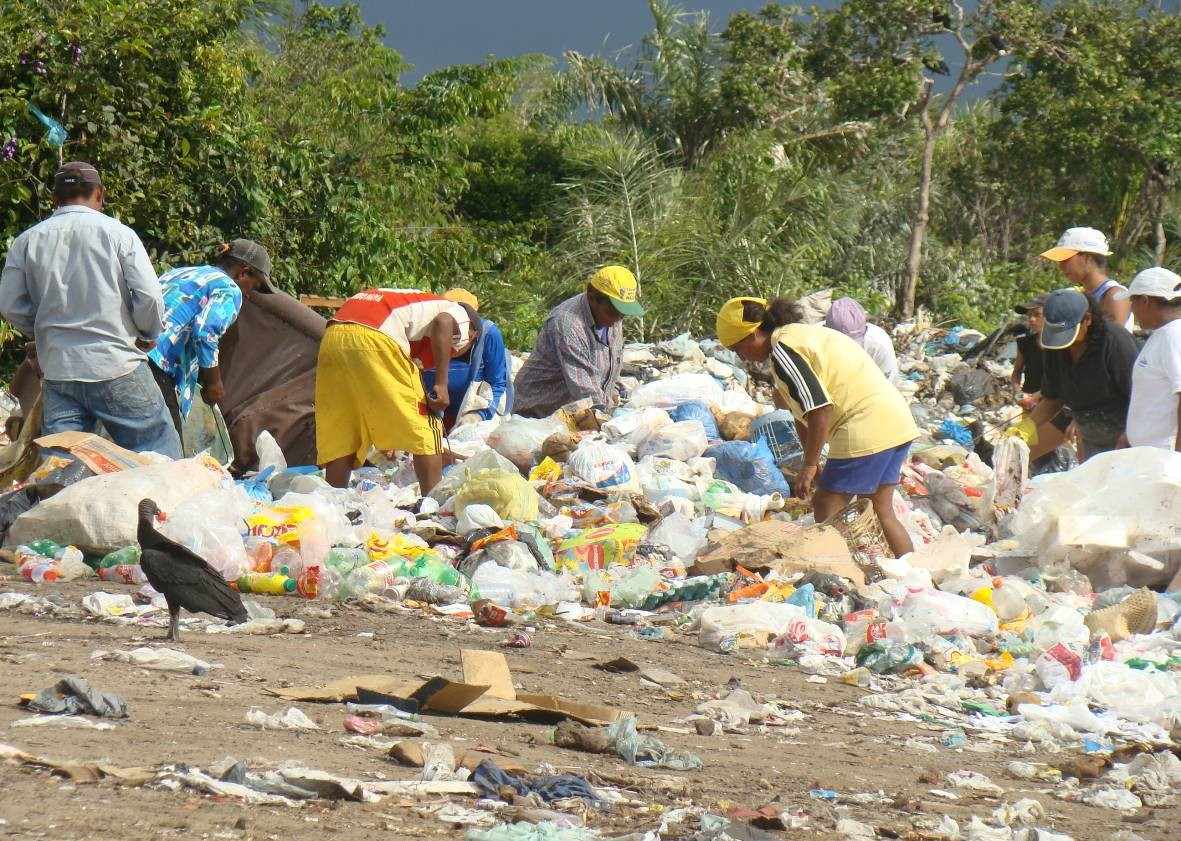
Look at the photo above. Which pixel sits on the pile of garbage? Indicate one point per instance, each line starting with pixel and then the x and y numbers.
pixel 1047 609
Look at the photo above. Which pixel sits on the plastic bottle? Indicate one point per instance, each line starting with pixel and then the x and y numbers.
pixel 1007 600
pixel 124 573
pixel 287 562
pixel 127 556
pixel 494 583
pixel 38 569
pixel 345 560
pixel 45 548
pixel 308 583
pixel 275 583
pixel 261 553
pixel 368 578
pixel 596 588
pixel 888 657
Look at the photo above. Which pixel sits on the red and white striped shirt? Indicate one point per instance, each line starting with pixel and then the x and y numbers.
pixel 405 315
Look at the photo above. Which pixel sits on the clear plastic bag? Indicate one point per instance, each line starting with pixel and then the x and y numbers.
pixel 628 428
pixel 668 392
pixel 519 439
pixel 681 441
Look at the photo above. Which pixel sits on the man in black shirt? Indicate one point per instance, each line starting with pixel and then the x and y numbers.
pixel 1087 368
pixel 1027 367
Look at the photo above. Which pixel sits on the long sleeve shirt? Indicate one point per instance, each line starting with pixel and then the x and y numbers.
pixel 570 361
pixel 81 284
pixel 201 302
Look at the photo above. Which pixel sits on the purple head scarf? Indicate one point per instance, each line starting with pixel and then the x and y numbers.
pixel 848 317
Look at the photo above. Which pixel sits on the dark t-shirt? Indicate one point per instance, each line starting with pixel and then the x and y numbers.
pixel 1031 353
pixel 1101 381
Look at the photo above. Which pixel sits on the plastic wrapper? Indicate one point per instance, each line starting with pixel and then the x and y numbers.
pixel 505 492
pixel 681 441
pixel 751 467
pixel 519 439
pixel 604 466
pixel 668 392
pixel 685 537
pixel 755 624
pixel 698 411
pixel 600 547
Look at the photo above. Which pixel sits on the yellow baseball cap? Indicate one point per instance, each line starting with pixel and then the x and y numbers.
pixel 618 284
pixel 462 296
pixel 1086 240
pixel 731 327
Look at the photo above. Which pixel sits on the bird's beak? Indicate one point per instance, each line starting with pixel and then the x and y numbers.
pixel 161 517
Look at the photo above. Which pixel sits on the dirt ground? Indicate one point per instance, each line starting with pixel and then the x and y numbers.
pixel 200 720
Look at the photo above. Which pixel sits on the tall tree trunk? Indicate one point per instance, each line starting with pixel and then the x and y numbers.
pixel 918 228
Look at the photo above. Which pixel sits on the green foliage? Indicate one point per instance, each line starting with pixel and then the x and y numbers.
pixel 778 155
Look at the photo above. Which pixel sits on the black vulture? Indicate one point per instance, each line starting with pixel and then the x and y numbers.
pixel 184 579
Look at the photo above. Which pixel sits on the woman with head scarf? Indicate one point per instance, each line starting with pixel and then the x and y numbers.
pixel 839 397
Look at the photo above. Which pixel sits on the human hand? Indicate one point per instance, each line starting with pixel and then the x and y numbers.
pixel 806 481
pixel 213 393
pixel 1025 429
pixel 439 401
pixel 1122 442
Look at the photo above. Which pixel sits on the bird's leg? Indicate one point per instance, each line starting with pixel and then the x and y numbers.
pixel 173 623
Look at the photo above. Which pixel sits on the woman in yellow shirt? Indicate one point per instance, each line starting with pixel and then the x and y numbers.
pixel 839 397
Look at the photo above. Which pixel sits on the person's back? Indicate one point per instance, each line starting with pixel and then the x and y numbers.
pixel 82 285
pixel 870 415
pixel 71 264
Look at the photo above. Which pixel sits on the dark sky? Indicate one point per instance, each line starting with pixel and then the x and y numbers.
pixel 435 33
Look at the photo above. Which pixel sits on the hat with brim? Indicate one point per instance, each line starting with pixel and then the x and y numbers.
pixel 1156 282
pixel 1032 304
pixel 1078 240
pixel 1063 313
pixel 621 287
pixel 252 254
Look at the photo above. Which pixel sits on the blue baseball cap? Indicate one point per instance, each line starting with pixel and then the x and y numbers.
pixel 1063 312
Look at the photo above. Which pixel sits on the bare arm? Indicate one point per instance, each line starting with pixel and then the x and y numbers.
pixel 1117 311
pixel 1045 411
pixel 442 333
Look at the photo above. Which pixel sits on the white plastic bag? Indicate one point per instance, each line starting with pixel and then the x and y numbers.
pixel 925 612
pixel 684 536
pixel 292 718
pixel 270 454
pixel 668 392
pixel 604 466
pixel 681 441
pixel 99 514
pixel 628 428
pixel 748 625
pixel 477 516
pixel 518 439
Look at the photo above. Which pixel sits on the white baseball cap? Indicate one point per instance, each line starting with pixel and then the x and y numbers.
pixel 1153 283
pixel 1086 240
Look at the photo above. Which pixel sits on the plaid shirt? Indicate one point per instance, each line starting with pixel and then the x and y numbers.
pixel 201 302
pixel 570 362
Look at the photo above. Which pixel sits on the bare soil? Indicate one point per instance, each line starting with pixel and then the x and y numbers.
pixel 200 720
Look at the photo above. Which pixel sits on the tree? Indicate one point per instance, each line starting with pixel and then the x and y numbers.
pixel 672 92
pixel 883 57
pixel 1093 109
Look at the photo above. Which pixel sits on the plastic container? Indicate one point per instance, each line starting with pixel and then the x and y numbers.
pixel 634 588
pixel 123 573
pixel 275 584
pixel 128 555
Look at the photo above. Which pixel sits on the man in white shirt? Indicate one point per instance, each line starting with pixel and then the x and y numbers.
pixel 848 316
pixel 1156 377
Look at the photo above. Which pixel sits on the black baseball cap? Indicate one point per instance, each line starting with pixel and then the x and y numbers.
pixel 1063 313
pixel 76 172
pixel 1033 304
pixel 253 255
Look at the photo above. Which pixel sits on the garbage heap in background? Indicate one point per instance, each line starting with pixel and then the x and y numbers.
pixel 674 515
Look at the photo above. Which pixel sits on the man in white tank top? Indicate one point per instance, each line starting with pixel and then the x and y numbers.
pixel 1081 255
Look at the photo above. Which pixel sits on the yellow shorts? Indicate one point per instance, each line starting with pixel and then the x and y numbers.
pixel 369 394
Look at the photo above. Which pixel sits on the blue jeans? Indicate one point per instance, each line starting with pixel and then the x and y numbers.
pixel 131 409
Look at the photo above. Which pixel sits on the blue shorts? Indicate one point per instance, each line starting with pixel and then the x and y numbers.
pixel 864 474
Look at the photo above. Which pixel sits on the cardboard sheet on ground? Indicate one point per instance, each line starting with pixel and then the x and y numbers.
pixel 486 675
pixel 783 547
pixel 486 690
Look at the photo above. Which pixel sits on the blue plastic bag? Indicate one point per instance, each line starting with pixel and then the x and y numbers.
pixel 750 466
pixel 698 411
pixel 957 432
pixel 778 430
